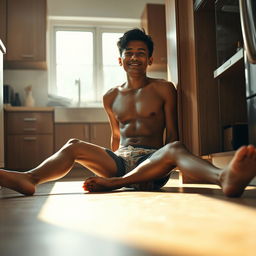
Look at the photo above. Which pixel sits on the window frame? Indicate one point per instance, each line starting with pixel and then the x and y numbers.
pixel 95 25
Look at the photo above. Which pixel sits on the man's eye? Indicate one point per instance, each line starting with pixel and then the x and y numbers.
pixel 127 54
pixel 141 54
pixel 137 54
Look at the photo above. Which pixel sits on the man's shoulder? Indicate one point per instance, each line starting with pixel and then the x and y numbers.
pixel 110 95
pixel 162 84
pixel 111 91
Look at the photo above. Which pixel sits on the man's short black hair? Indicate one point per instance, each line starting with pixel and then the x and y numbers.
pixel 135 34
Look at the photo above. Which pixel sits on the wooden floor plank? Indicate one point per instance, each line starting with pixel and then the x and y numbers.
pixel 186 220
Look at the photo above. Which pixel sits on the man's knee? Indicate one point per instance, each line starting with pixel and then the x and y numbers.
pixel 73 141
pixel 72 146
pixel 176 145
pixel 171 150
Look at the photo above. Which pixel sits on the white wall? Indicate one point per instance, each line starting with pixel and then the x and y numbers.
pixel 131 9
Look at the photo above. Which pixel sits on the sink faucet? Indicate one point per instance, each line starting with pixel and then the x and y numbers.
pixel 78 83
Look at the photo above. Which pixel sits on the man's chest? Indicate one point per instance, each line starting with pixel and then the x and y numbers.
pixel 136 105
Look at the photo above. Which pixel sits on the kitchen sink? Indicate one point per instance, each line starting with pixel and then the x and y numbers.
pixel 88 114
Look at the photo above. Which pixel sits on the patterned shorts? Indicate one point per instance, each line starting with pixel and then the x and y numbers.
pixel 127 158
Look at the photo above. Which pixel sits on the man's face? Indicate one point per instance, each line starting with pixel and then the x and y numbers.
pixel 135 57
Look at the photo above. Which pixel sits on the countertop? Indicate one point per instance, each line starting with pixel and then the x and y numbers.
pixel 24 109
pixel 67 115
pixel 80 115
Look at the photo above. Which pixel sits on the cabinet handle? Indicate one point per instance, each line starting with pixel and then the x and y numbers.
pixel 29 138
pixel 29 129
pixel 227 64
pixel 86 132
pixel 27 56
pixel 29 119
pixel 93 132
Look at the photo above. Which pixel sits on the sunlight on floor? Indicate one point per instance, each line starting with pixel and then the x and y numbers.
pixel 156 221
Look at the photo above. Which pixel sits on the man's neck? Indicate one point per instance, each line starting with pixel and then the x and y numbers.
pixel 136 82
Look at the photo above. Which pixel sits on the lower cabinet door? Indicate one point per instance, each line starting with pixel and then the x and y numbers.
pixel 27 151
pixel 100 134
pixel 65 132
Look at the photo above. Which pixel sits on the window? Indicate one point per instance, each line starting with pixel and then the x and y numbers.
pixel 112 73
pixel 74 62
pixel 84 62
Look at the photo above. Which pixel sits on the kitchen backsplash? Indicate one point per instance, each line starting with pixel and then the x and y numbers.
pixel 19 79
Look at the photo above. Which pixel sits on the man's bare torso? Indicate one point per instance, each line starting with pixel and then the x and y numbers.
pixel 140 113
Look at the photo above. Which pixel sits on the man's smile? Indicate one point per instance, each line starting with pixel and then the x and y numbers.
pixel 134 64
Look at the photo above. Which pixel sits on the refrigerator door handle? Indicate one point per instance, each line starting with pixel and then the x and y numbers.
pixel 248 28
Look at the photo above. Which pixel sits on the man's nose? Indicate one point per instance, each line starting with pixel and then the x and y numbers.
pixel 134 56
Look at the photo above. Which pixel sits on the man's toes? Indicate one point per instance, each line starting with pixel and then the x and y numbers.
pixel 251 151
pixel 241 153
pixel 88 179
pixel 88 187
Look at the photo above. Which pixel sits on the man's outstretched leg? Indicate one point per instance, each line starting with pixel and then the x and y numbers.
pixel 58 165
pixel 232 180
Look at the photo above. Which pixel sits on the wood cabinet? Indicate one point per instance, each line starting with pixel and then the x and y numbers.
pixel 153 21
pixel 182 69
pixel 25 34
pixel 2 51
pixel 96 133
pixel 220 66
pixel 207 103
pixel 29 138
pixel 3 21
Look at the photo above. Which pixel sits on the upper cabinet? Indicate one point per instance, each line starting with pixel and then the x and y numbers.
pixel 25 34
pixel 3 21
pixel 153 21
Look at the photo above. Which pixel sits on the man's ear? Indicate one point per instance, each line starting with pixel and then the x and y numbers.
pixel 120 61
pixel 150 61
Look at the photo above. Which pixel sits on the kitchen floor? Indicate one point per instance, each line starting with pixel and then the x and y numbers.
pixel 181 220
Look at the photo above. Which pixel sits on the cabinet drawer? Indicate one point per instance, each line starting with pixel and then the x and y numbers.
pixel 29 123
pixel 27 151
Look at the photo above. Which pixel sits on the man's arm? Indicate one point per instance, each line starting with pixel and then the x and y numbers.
pixel 115 132
pixel 170 109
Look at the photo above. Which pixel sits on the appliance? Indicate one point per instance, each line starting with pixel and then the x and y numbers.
pixel 235 136
pixel 248 22
pixel 8 94
pixel 2 51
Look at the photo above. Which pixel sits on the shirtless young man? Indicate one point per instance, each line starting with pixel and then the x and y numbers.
pixel 139 111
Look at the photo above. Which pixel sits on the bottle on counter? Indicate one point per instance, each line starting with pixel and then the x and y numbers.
pixel 16 101
pixel 29 100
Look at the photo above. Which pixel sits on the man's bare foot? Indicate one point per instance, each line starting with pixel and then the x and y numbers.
pixel 239 173
pixel 21 182
pixel 99 184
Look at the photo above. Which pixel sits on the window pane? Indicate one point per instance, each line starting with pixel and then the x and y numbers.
pixel 74 60
pixel 113 74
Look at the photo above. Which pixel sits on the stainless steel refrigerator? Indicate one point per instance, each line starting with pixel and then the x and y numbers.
pixel 248 22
